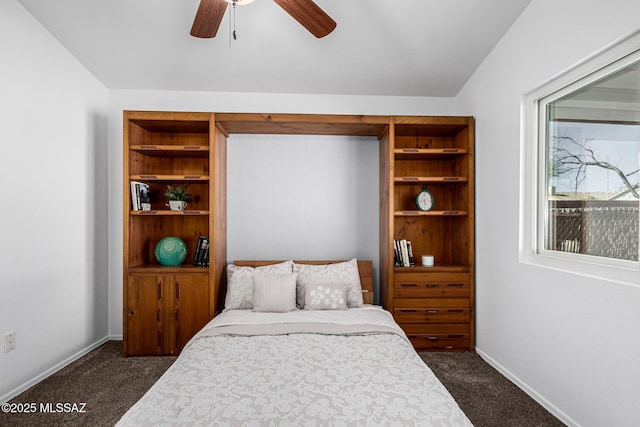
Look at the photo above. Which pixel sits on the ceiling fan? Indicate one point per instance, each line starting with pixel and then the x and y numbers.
pixel 306 12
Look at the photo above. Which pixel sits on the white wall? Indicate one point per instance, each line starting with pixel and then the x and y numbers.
pixel 571 341
pixel 53 224
pixel 349 229
pixel 303 197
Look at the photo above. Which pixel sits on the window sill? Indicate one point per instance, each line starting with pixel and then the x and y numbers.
pixel 621 272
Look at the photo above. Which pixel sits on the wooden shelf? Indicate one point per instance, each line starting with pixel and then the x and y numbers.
pixel 433 152
pixel 187 178
pixel 436 268
pixel 170 269
pixel 302 124
pixel 429 179
pixel 431 213
pixel 171 150
pixel 427 153
pixel 167 212
pixel 164 306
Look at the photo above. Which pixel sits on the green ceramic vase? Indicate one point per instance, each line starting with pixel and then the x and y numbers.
pixel 171 251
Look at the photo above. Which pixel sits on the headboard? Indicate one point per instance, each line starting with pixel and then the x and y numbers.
pixel 365 268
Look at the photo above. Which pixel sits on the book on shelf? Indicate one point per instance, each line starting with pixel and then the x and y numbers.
pixel 140 198
pixel 201 255
pixel 403 253
pixel 410 253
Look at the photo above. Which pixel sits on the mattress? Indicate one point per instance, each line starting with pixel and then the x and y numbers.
pixel 303 368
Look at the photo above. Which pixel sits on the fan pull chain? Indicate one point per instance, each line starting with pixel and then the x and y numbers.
pixel 232 22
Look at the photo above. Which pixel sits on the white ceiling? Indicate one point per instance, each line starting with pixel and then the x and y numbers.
pixel 380 47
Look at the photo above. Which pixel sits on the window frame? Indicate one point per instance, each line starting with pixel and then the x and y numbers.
pixel 533 154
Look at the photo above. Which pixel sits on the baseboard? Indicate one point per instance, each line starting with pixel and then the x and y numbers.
pixel 532 393
pixel 115 337
pixel 24 387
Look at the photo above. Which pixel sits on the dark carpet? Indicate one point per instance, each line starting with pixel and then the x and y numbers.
pixel 104 385
pixel 486 396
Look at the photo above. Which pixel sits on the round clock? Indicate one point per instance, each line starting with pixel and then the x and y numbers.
pixel 424 199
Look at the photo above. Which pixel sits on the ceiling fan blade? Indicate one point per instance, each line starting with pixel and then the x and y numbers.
pixel 309 14
pixel 208 18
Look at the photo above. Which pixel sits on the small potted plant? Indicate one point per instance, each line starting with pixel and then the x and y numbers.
pixel 178 196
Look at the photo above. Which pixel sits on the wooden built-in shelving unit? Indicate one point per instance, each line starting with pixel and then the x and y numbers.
pixel 165 306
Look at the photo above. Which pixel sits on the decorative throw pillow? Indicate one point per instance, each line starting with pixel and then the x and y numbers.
pixel 274 292
pixel 342 272
pixel 240 283
pixel 326 297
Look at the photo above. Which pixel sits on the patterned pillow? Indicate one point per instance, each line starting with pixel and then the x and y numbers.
pixel 326 297
pixel 240 283
pixel 274 292
pixel 342 272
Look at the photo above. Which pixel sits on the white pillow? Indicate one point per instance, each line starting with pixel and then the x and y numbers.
pixel 274 292
pixel 326 297
pixel 240 283
pixel 325 274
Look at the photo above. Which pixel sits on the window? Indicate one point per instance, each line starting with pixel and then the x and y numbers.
pixel 592 141
pixel 581 166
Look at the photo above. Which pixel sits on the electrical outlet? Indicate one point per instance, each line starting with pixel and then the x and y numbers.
pixel 9 341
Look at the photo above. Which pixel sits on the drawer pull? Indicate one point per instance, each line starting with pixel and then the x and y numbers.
pixel 430 338
pixel 432 311
pixel 409 285
pixel 455 285
pixel 407 311
pixel 456 310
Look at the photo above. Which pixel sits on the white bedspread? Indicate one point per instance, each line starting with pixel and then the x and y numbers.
pixel 302 368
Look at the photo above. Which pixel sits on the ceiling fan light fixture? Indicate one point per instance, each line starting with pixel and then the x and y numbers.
pixel 239 2
pixel 306 12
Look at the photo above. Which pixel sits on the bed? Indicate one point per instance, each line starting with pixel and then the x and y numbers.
pixel 344 363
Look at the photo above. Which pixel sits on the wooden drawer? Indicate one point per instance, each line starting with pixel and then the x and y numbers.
pixel 415 303
pixel 430 289
pixel 432 315
pixel 431 285
pixel 438 337
pixel 440 342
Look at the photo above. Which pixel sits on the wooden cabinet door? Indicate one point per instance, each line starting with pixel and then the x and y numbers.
pixel 145 315
pixel 190 308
